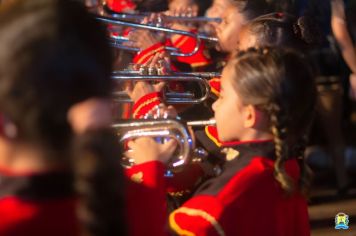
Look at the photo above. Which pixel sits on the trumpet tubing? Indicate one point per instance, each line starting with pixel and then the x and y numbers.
pixel 171 98
pixel 167 128
pixel 206 75
pixel 117 42
pixel 129 129
pixel 210 122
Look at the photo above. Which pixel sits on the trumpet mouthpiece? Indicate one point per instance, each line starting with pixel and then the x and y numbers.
pixel 202 122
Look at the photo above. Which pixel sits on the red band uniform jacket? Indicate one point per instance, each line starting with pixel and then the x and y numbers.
pixel 37 204
pixel 245 200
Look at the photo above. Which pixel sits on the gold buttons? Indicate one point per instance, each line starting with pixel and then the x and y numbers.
pixel 231 153
pixel 137 178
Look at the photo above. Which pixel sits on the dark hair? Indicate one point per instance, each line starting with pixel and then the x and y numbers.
pixel 280 83
pixel 282 29
pixel 53 54
pixel 251 9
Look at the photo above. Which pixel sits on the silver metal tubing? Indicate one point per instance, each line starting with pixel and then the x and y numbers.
pixel 128 130
pixel 198 74
pixel 173 51
pixel 210 122
pixel 185 98
pixel 140 17
pixel 154 28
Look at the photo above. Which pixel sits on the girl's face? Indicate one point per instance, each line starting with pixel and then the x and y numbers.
pixel 246 39
pixel 218 8
pixel 229 110
pixel 228 30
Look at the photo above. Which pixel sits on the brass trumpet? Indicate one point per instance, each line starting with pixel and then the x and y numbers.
pixel 163 129
pixel 206 75
pixel 117 41
pixel 171 97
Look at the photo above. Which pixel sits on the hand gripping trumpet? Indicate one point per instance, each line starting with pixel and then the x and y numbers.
pixel 106 11
pixel 163 129
pixel 117 41
pixel 170 97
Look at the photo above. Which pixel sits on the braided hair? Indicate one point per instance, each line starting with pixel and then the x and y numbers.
pixel 279 83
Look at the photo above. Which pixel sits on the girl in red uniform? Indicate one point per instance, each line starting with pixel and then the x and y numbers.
pixel 55 64
pixel 266 103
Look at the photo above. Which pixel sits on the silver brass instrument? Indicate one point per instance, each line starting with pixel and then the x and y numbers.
pixel 117 41
pixel 141 16
pixel 168 128
pixel 170 97
pixel 206 75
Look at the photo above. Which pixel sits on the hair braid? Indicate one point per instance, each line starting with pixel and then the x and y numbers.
pixel 306 173
pixel 279 132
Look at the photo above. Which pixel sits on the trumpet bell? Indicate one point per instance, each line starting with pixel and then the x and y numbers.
pixel 162 129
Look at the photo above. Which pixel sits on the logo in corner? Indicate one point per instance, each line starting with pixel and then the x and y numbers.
pixel 341 221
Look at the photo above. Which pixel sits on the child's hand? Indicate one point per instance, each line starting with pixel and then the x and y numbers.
pixel 147 149
pixel 162 111
pixel 162 65
pixel 143 39
pixel 143 88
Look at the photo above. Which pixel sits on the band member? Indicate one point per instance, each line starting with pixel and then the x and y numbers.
pixel 266 103
pixel 55 64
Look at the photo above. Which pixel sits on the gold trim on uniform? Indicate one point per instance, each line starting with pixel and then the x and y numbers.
pixel 197 64
pixel 137 178
pixel 214 91
pixel 211 137
pixel 149 101
pixel 150 53
pixel 185 39
pixel 194 212
pixel 179 193
pixel 231 153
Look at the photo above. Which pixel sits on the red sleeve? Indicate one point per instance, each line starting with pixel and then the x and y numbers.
pixel 146 198
pixel 215 86
pixel 187 44
pixel 198 216
pixel 143 56
pixel 147 210
pixel 121 5
pixel 146 104
pixel 47 217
